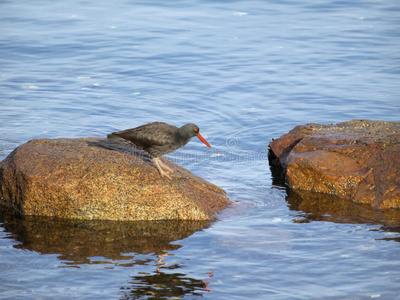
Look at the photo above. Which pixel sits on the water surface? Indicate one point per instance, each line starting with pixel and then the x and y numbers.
pixel 245 72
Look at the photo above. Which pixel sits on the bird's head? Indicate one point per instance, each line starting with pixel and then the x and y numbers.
pixel 190 130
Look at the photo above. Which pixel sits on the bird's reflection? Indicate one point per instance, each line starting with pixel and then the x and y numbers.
pixel 163 285
pixel 123 244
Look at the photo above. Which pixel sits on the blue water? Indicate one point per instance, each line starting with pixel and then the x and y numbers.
pixel 245 72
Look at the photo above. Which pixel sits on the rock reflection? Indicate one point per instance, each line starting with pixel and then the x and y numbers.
pixel 78 241
pixel 322 207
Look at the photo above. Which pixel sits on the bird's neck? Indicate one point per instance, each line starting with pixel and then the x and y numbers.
pixel 184 136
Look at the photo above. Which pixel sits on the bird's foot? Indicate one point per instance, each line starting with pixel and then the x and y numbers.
pixel 166 168
pixel 165 174
pixel 162 168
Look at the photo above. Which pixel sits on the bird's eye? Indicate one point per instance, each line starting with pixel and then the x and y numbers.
pixel 196 130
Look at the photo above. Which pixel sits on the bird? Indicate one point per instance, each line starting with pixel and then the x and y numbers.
pixel 159 138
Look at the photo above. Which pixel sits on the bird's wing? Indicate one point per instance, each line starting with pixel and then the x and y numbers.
pixel 156 133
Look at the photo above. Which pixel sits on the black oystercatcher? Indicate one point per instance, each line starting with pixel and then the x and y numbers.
pixel 159 138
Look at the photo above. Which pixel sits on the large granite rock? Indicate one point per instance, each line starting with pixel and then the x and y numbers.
pixel 357 160
pixel 95 178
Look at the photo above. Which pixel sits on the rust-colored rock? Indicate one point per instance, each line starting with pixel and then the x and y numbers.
pixel 95 178
pixel 357 160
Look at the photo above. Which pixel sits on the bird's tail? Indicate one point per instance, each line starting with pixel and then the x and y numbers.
pixel 112 136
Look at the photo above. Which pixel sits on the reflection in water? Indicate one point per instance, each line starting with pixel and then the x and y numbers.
pixel 322 207
pixel 163 286
pixel 83 242
pixel 77 241
pixel 391 230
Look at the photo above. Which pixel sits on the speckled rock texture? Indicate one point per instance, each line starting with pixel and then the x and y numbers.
pixel 95 178
pixel 357 160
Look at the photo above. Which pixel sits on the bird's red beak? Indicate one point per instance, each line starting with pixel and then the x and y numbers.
pixel 203 140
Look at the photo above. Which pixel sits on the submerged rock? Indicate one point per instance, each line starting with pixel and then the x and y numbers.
pixel 357 160
pixel 95 178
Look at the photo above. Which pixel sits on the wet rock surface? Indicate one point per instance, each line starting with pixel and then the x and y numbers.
pixel 357 160
pixel 95 178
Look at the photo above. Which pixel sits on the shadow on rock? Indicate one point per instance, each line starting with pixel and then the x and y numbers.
pixel 122 146
pixel 276 168
pixel 78 241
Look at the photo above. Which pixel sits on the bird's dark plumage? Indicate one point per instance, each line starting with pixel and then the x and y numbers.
pixel 160 138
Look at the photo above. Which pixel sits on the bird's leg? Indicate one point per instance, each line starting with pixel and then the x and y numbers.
pixel 160 262
pixel 163 169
